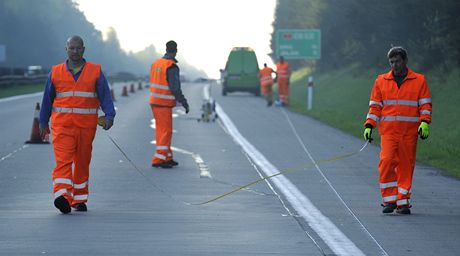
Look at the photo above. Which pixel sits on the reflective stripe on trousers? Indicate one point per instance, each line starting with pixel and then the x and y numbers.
pixel 72 147
pixel 283 91
pixel 396 166
pixel 163 134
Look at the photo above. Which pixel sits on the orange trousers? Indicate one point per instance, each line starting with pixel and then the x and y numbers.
pixel 163 134
pixel 267 92
pixel 396 167
pixel 283 91
pixel 72 148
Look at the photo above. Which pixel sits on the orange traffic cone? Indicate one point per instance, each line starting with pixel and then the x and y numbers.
pixel 125 91
pixel 35 137
pixel 131 90
pixel 139 86
pixel 112 94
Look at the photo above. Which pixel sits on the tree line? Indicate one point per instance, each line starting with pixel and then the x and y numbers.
pixel 362 31
pixel 34 33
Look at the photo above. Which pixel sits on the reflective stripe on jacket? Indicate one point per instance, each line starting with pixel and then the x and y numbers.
pixel 282 71
pixel 266 76
pixel 76 102
pixel 160 93
pixel 399 110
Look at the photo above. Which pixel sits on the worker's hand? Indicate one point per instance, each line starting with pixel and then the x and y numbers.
pixel 108 124
pixel 424 130
pixel 43 132
pixel 185 105
pixel 368 134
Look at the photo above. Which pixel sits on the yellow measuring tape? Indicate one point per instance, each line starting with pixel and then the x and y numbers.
pixel 330 160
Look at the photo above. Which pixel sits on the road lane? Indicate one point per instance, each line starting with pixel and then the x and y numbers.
pixel 127 215
pixel 355 179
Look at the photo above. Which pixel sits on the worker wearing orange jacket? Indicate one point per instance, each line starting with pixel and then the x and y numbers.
pixel 165 91
pixel 400 102
pixel 73 93
pixel 282 76
pixel 266 83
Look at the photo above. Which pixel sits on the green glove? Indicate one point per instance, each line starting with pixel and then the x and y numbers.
pixel 368 134
pixel 424 130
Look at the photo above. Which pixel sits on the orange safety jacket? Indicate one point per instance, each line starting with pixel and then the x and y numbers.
pixel 76 102
pixel 399 110
pixel 266 76
pixel 160 94
pixel 282 71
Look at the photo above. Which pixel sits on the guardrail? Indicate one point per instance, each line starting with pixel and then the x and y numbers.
pixel 11 80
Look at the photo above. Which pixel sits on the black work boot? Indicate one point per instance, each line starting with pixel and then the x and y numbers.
pixel 81 207
pixel 403 209
pixel 388 208
pixel 172 162
pixel 162 165
pixel 62 204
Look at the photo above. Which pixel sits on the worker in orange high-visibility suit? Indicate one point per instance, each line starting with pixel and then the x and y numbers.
pixel 266 83
pixel 73 93
pixel 283 75
pixel 401 104
pixel 165 91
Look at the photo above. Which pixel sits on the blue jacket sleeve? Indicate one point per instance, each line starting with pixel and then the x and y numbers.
pixel 173 77
pixel 105 97
pixel 47 102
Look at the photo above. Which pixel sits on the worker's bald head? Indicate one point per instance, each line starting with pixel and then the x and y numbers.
pixel 75 49
pixel 76 39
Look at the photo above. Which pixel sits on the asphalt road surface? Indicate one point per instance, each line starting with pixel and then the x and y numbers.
pixel 328 205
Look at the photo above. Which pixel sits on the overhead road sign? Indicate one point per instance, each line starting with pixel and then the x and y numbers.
pixel 298 44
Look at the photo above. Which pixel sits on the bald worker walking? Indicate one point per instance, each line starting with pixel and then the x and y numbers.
pixel 73 93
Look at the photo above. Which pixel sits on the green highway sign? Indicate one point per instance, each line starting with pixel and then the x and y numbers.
pixel 298 43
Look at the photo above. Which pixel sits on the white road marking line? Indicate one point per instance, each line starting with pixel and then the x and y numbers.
pixel 14 152
pixel 204 169
pixel 382 251
pixel 329 233
pixel 25 96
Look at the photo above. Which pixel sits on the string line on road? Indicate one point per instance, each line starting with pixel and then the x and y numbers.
pixel 12 153
pixel 316 165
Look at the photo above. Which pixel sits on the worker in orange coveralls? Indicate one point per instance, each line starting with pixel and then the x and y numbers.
pixel 165 92
pixel 283 75
pixel 73 93
pixel 266 83
pixel 400 102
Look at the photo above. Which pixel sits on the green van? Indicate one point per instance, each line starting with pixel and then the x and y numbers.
pixel 241 72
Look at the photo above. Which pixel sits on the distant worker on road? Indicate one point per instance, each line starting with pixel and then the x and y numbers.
pixel 73 93
pixel 283 75
pixel 223 75
pixel 165 91
pixel 400 101
pixel 266 83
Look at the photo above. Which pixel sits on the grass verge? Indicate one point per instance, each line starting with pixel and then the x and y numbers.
pixel 20 89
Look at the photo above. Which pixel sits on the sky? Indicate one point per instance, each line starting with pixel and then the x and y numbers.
pixel 205 30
